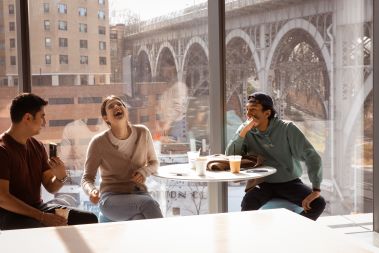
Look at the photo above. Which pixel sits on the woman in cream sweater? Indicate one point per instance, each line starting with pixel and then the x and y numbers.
pixel 125 156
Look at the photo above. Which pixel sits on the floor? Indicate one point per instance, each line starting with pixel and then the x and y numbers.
pixel 357 226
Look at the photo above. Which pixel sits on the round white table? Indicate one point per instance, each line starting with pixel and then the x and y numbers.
pixel 217 181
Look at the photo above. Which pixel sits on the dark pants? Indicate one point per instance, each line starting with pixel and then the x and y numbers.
pixel 294 191
pixel 9 220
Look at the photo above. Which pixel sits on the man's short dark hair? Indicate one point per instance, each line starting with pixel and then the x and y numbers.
pixel 264 100
pixel 26 103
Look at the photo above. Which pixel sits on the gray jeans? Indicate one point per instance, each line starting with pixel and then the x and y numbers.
pixel 131 206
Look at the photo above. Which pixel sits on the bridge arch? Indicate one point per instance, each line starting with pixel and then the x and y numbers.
pixel 194 40
pixel 308 28
pixel 239 33
pixel 143 50
pixel 164 45
pixel 310 38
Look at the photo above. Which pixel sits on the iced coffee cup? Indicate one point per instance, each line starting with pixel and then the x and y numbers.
pixel 235 163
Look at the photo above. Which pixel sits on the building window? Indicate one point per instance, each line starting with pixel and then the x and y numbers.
pixel 12 43
pixel 102 2
pixel 62 25
pixel 59 122
pixel 83 43
pixel 46 7
pixel 63 59
pixel 61 101
pixel 102 45
pixel 62 8
pixel 113 35
pixel 48 42
pixel 83 59
pixel 102 30
pixel 46 24
pixel 90 100
pixel 101 15
pixel 144 118
pixel 47 59
pixel 13 60
pixel 11 9
pixel 102 60
pixel 82 28
pixel 11 26
pixel 2 60
pixel 82 11
pixel 63 42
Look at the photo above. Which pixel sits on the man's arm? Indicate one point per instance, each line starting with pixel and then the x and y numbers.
pixel 235 146
pixel 14 205
pixel 53 179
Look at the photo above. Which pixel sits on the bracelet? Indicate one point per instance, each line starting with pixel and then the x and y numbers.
pixel 316 190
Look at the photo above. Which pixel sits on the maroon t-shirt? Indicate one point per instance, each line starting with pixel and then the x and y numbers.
pixel 23 165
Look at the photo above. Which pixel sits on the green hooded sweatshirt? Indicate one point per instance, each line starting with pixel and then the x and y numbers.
pixel 282 146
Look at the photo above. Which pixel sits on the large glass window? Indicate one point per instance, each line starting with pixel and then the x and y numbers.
pixel 316 64
pixel 318 69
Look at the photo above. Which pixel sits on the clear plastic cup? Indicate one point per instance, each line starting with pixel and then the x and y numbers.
pixel 235 163
pixel 201 165
pixel 192 155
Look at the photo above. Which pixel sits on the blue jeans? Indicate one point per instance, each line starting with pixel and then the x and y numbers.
pixel 129 206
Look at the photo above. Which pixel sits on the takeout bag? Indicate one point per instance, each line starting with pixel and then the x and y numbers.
pixel 221 163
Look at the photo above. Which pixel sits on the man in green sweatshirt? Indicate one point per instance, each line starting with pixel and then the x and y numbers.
pixel 283 146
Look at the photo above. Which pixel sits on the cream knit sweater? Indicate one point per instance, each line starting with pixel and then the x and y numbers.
pixel 116 168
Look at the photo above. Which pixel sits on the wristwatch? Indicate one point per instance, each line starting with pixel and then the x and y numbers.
pixel 63 180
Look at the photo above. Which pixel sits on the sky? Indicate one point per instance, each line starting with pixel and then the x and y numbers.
pixel 150 8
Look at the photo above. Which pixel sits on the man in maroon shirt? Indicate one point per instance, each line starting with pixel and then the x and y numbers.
pixel 25 166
